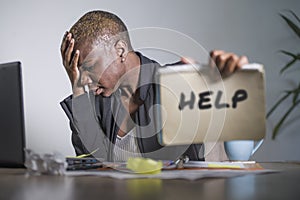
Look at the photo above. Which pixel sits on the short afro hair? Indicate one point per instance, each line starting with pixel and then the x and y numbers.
pixel 99 27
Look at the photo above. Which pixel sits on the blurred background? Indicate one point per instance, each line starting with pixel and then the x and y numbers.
pixel 31 32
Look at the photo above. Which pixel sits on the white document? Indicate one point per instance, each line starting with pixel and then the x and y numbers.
pixel 190 174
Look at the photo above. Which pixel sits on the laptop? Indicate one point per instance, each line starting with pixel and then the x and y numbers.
pixel 197 105
pixel 12 132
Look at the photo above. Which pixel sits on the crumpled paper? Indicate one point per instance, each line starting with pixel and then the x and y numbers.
pixel 51 164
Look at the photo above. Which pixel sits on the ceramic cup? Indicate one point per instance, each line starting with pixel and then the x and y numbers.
pixel 241 150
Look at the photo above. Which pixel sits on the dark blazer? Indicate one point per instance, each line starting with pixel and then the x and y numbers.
pixel 108 111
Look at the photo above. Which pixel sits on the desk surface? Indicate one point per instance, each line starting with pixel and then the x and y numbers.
pixel 15 184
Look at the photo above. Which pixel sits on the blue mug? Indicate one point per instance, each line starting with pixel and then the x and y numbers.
pixel 241 150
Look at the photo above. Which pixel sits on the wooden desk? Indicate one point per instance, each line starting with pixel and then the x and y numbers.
pixel 14 184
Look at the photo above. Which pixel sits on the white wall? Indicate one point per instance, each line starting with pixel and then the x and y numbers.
pixel 31 32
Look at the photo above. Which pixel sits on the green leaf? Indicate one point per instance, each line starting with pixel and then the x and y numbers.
pixel 279 124
pixel 296 94
pixel 278 103
pixel 295 97
pixel 289 54
pixel 295 15
pixel 288 65
pixel 291 24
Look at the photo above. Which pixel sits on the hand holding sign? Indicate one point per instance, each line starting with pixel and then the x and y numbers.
pixel 226 62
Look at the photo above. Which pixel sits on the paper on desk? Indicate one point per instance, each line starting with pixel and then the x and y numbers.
pixel 170 174
pixel 218 165
pixel 187 174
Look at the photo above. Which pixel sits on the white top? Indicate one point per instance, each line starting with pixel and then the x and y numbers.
pixel 126 147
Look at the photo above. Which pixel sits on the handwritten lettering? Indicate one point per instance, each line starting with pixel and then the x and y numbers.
pixel 219 105
pixel 205 99
pixel 239 95
pixel 183 103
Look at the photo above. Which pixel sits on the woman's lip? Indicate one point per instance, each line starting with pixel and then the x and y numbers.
pixel 98 91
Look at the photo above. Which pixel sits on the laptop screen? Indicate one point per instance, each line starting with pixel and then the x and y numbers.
pixel 12 133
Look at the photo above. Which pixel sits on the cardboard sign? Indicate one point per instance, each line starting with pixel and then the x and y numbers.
pixel 197 105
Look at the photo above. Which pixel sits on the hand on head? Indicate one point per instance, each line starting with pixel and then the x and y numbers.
pixel 70 62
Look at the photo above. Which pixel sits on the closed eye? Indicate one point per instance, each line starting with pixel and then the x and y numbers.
pixel 88 68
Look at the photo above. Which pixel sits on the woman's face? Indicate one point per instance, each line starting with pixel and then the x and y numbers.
pixel 100 69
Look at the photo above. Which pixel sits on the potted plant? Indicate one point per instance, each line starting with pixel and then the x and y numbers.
pixel 292 94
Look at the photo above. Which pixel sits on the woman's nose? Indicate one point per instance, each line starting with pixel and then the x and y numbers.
pixel 85 79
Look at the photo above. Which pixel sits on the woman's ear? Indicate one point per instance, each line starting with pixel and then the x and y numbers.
pixel 121 49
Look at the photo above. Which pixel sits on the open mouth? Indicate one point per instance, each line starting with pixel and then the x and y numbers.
pixel 98 90
pixel 95 89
